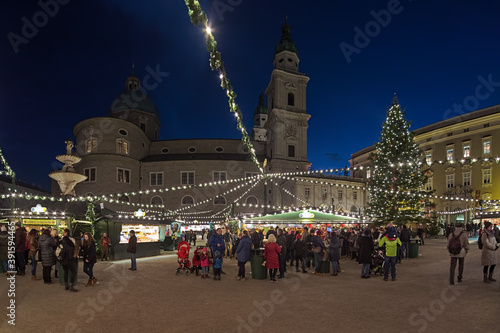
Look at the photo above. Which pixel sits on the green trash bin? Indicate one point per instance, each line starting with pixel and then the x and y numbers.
pixel 325 267
pixel 414 250
pixel 259 272
pixel 61 272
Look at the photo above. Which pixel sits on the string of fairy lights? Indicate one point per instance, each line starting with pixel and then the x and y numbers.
pixel 236 200
pixel 8 170
pixel 198 17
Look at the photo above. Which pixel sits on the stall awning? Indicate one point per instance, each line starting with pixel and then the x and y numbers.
pixel 301 216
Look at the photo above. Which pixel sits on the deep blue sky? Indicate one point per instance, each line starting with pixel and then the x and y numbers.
pixel 431 54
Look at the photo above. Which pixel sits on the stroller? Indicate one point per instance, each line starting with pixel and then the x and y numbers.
pixel 183 258
pixel 377 264
pixel 196 260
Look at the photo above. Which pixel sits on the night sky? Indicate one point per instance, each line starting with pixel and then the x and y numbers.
pixel 433 54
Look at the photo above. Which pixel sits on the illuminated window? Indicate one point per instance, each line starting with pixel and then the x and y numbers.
pixel 466 151
pixel 466 178
pixel 428 158
pixel 486 176
pixel 122 146
pixel 156 200
pixel 123 176
pixel 91 145
pixel 90 173
pixel 156 178
pixel 219 176
pixel 368 173
pixel 449 154
pixel 307 192
pixel 487 147
pixel 187 177
pixel 450 180
pixel 187 200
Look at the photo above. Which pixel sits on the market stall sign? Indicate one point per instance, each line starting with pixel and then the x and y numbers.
pixel 139 213
pixel 38 209
pixel 306 215
pixel 39 222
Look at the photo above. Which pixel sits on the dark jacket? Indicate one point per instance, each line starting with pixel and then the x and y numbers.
pixel 334 248
pixel 282 242
pixel 405 235
pixel 216 239
pixel 20 240
pixel 365 249
pixel 271 232
pixel 299 247
pixel 256 240
pixel 132 244
pixel 89 253
pixel 4 244
pixel 47 246
pixel 244 247
pixel 318 242
pixel 68 251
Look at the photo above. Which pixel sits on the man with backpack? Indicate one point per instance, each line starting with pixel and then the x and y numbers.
pixel 458 246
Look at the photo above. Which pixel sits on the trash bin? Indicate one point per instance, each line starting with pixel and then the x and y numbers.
pixel 414 250
pixel 168 244
pixel 325 267
pixel 61 272
pixel 259 272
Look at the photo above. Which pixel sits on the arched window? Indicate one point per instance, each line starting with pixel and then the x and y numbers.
pixel 156 200
pixel 251 200
pixel 291 99
pixel 124 198
pixel 220 201
pixel 187 200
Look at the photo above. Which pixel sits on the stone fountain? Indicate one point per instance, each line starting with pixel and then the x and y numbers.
pixel 67 177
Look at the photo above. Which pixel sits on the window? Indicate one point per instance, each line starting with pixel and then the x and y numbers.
pixel 123 176
pixel 466 178
pixel 251 200
pixel 187 177
pixel 220 201
pixel 251 174
pixel 486 147
pixel 449 154
pixel 368 173
pixel 291 99
pixel 324 193
pixel 307 192
pixel 90 173
pixel 91 145
pixel 156 178
pixel 219 149
pixel 466 151
pixel 486 176
pixel 220 176
pixel 122 146
pixel 340 194
pixel 187 200
pixel 428 158
pixel 192 149
pixel 165 151
pixel 354 195
pixel 450 180
pixel 122 132
pixel 143 127
pixel 156 200
pixel 291 151
pixel 428 185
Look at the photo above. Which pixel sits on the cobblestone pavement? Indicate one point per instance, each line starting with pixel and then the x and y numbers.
pixel 154 299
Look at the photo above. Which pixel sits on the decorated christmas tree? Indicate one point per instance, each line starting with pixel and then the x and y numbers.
pixel 396 179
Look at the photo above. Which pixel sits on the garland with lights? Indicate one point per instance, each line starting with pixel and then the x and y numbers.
pixel 237 199
pixel 198 17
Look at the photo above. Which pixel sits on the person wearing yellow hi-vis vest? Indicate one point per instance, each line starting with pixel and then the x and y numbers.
pixel 391 242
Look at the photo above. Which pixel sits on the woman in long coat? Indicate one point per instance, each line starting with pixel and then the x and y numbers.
pixel 365 253
pixel 47 245
pixel 271 251
pixel 488 252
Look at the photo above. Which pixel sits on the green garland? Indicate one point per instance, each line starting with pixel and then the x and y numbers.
pixel 9 171
pixel 198 17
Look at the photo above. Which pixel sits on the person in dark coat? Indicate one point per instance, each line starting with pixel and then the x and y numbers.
pixel 89 258
pixel 256 240
pixel 68 255
pixel 47 245
pixel 217 244
pixel 281 240
pixel 290 238
pixel 4 246
pixel 318 256
pixel 404 237
pixel 271 252
pixel 365 253
pixel 20 244
pixel 132 249
pixel 334 252
pixel 298 247
pixel 243 254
